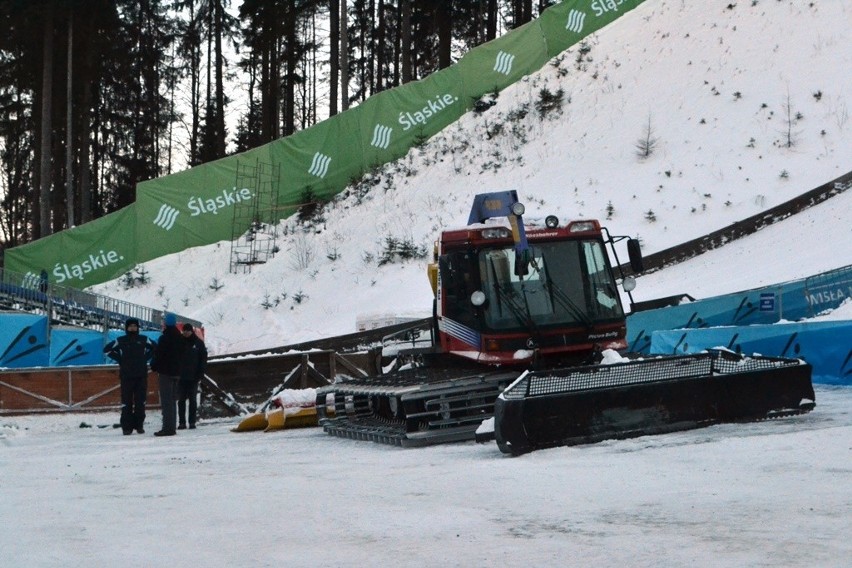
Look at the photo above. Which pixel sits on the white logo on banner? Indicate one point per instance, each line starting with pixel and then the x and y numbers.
pixel 504 63
pixel 381 136
pixel 166 217
pixel 576 20
pixel 319 167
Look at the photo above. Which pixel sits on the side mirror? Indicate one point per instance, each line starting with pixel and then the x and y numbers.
pixel 634 252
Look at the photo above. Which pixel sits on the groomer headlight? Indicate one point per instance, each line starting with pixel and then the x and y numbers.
pixel 477 298
pixel 495 233
pixel 551 221
pixel 581 226
pixel 518 209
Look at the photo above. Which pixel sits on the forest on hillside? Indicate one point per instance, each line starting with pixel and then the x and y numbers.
pixel 98 95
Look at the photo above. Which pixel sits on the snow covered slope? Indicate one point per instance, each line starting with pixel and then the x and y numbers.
pixel 743 105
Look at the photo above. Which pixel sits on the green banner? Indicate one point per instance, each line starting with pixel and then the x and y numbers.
pixel 322 159
pixel 495 65
pixel 207 203
pixel 566 23
pixel 395 120
pixel 91 253
pixel 187 209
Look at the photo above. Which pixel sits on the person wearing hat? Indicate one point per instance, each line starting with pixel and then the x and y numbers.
pixel 193 362
pixel 132 351
pixel 167 364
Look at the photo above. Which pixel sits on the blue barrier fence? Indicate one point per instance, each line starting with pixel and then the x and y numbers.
pixel 27 340
pixel 827 346
pixel 24 341
pixel 37 330
pixel 791 301
pixel 748 322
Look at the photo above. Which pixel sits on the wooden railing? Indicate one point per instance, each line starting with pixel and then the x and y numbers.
pixel 65 389
pixel 231 387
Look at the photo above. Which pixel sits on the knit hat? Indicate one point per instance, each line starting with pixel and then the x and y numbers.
pixel 187 327
pixel 170 320
pixel 131 321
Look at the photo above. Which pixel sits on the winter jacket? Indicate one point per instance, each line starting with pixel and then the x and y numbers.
pixel 132 352
pixel 168 352
pixel 193 360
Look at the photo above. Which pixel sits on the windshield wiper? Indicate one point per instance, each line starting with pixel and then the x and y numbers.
pixel 565 300
pixel 524 319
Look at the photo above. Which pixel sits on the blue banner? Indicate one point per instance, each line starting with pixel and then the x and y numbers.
pixel 827 346
pixel 23 341
pixel 794 300
pixel 76 347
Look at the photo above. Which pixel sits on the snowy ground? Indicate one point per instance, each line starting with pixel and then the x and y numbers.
pixel 776 493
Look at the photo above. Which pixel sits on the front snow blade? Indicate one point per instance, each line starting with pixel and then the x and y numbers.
pixel 252 423
pixel 588 404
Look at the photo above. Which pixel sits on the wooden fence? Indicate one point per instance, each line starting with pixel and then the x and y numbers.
pixel 65 389
pixel 233 386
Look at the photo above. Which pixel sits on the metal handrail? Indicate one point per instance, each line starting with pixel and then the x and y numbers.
pixel 78 307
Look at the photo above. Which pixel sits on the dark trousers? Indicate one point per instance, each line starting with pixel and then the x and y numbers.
pixel 134 390
pixel 168 387
pixel 187 390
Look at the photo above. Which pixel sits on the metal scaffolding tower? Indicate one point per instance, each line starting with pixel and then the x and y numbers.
pixel 254 232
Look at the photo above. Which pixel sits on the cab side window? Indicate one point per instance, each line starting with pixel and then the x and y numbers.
pixel 458 283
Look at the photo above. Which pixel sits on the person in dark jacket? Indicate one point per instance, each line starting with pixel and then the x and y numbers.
pixel 193 362
pixel 132 351
pixel 167 363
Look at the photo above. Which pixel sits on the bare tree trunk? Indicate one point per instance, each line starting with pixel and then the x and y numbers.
pixel 83 152
pixel 445 31
pixel 69 138
pixel 521 12
pixel 270 75
pixel 88 132
pixel 344 57
pixel 46 125
pixel 314 70
pixel 491 19
pixel 219 113
pixel 517 13
pixel 194 88
pixel 208 101
pixel 265 94
pixel 170 141
pixel 397 52
pixel 380 50
pixel 275 74
pixel 290 72
pixel 405 53
pixel 334 71
pixel 370 44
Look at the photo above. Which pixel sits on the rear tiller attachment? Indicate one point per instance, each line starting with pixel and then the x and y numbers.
pixel 587 404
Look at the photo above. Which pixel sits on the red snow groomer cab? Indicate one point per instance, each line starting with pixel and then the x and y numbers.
pixel 509 295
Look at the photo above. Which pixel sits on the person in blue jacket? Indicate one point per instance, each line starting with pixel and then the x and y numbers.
pixel 132 351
